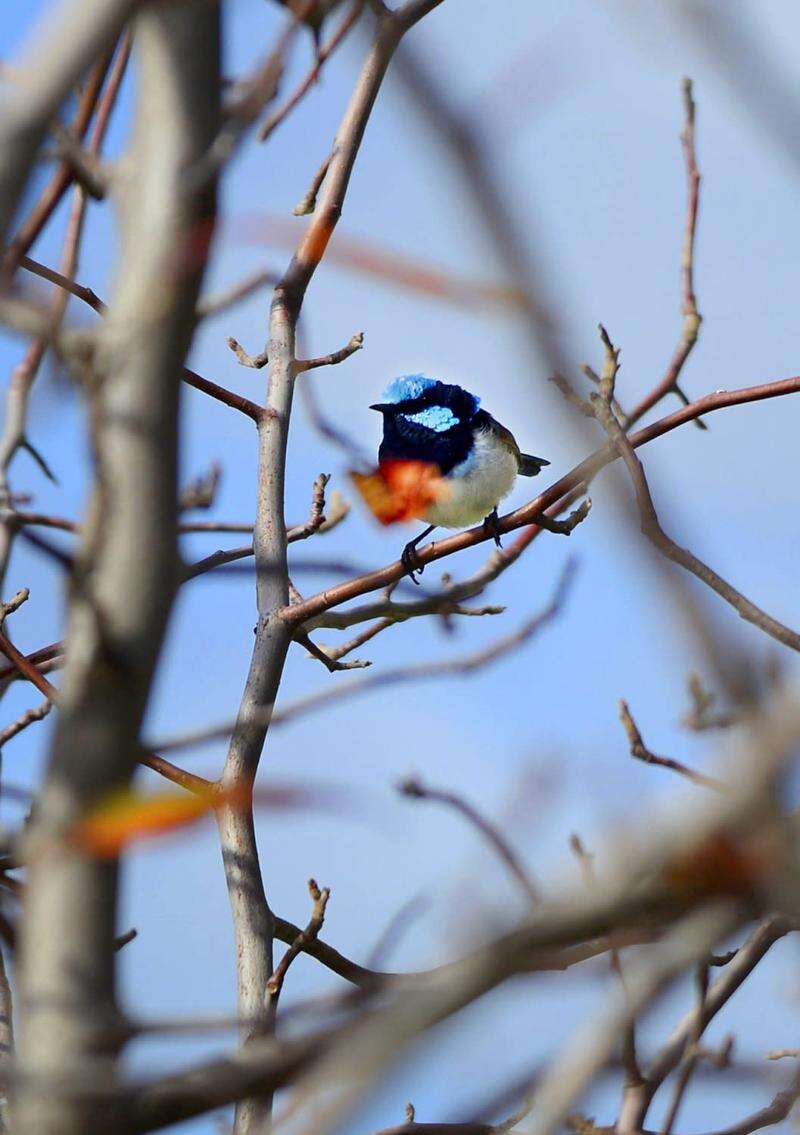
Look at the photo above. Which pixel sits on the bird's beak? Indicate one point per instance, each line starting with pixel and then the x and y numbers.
pixel 381 407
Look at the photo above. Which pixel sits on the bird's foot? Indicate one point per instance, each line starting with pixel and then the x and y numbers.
pixel 410 561
pixel 410 557
pixel 492 526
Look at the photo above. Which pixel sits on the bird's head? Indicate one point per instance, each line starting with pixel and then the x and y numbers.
pixel 436 405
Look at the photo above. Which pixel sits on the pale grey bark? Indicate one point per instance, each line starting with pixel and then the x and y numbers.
pixel 55 58
pixel 6 1033
pixel 127 570
pixel 252 918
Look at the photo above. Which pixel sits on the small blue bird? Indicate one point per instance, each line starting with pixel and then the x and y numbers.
pixel 425 420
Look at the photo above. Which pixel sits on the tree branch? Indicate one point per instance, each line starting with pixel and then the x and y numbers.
pixel 413 787
pixel 119 608
pixel 253 923
pixel 55 58
pixel 550 501
pixel 641 753
pixel 691 316
pixel 651 528
pixel 319 899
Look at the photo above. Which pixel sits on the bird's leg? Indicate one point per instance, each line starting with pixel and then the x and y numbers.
pixel 492 526
pixel 409 559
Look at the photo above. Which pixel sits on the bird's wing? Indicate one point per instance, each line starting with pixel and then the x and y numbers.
pixel 529 466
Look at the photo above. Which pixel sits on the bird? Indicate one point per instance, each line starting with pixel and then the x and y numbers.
pixel 442 425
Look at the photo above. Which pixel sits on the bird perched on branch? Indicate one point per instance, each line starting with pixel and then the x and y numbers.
pixel 443 458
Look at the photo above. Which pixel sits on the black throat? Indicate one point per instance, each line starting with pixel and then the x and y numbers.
pixel 405 440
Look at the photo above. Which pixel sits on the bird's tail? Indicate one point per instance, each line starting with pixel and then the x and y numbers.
pixel 529 466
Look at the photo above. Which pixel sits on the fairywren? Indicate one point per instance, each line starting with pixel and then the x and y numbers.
pixel 478 460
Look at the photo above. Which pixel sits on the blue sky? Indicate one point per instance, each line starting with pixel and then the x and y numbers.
pixel 581 101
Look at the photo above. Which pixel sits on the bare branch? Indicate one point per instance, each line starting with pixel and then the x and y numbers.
pixel 465 664
pixel 201 492
pixel 219 302
pixel 323 54
pixel 331 664
pixel 337 652
pixel 594 1044
pixel 700 715
pixel 308 204
pixel 254 361
pixel 770 931
pixel 448 600
pixel 48 200
pixel 319 898
pixel 251 914
pixel 188 780
pixel 550 502
pixel 316 517
pixel 629 1056
pixel 14 603
pixel 355 344
pixel 14 435
pixel 45 659
pixel 640 751
pixel 691 1056
pixel 775 1112
pixel 235 401
pixel 652 529
pixel 55 58
pixel 28 669
pixel 691 316
pixel 87 169
pixel 123 940
pixel 414 788
pixel 118 614
pixel 26 719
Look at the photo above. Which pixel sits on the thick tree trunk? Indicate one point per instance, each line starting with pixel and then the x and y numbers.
pixel 125 578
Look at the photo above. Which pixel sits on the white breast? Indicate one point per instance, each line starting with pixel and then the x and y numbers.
pixel 472 489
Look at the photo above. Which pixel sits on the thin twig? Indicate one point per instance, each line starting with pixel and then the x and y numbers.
pixel 60 181
pixel 308 203
pixel 775 1112
pixel 691 316
pixel 630 1061
pixel 28 669
pixel 254 361
pixel 747 957
pixel 218 302
pixel 640 751
pixel 464 664
pixel 188 780
pixel 335 357
pixel 337 652
pixel 651 528
pixel 26 719
pixel 319 899
pixel 323 54
pixel 700 717
pixel 691 1057
pixel 331 664
pixel 87 169
pixel 414 788
pixel 123 940
pixel 202 491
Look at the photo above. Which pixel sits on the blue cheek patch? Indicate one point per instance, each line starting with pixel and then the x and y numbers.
pixel 436 418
